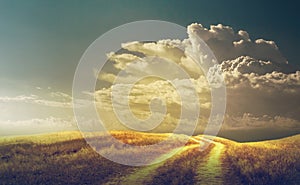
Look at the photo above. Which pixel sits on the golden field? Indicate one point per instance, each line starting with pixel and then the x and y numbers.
pixel 66 158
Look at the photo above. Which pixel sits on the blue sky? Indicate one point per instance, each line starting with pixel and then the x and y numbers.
pixel 42 41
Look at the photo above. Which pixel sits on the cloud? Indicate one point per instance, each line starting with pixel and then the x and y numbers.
pixel 61 95
pixel 274 94
pixel 142 93
pixel 36 125
pixel 248 120
pixel 26 110
pixel 173 51
pixel 107 77
pixel 20 98
pixel 262 87
pixel 121 60
pixel 269 82
pixel 56 99
pixel 248 65
pixel 228 44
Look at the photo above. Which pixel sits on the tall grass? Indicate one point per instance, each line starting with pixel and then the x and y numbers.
pixel 270 162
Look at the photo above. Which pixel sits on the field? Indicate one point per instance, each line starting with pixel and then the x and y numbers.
pixel 66 158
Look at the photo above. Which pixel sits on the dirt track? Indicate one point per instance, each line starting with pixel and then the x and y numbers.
pixel 205 165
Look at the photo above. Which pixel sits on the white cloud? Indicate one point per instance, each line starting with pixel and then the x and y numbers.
pixel 228 44
pixel 58 99
pixel 36 125
pixel 121 60
pixel 20 98
pixel 25 114
pixel 246 64
pixel 260 82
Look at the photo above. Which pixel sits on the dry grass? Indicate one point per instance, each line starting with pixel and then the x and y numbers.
pixel 268 162
pixel 65 158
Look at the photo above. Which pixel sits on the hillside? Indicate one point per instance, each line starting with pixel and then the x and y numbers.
pixel 65 158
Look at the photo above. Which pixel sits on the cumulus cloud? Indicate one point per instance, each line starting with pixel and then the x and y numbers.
pixel 259 79
pixel 228 44
pixel 141 95
pixel 166 50
pixel 262 87
pixel 246 64
pixel 274 94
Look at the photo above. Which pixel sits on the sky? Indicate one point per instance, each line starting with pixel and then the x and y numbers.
pixel 43 41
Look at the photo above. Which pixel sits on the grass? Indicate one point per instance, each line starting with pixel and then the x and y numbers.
pixel 66 158
pixel 267 162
